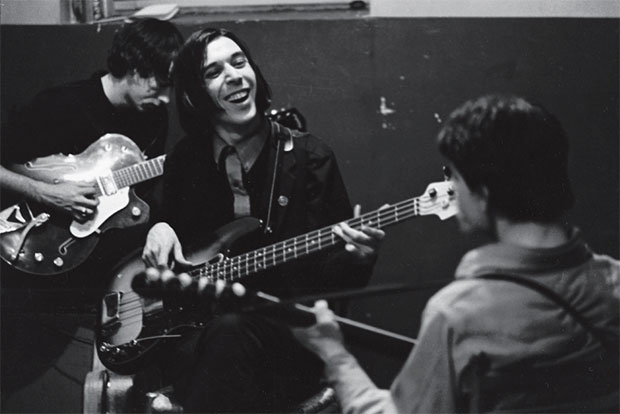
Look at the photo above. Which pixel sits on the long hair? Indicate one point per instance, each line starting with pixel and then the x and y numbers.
pixel 147 46
pixel 193 102
pixel 518 150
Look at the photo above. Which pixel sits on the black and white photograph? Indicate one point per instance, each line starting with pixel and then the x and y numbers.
pixel 309 206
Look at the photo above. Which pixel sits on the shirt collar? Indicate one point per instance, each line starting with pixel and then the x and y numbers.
pixel 509 258
pixel 248 150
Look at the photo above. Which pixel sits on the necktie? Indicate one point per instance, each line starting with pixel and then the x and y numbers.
pixel 234 172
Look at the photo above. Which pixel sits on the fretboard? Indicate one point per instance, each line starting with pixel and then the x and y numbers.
pixel 136 173
pixel 298 247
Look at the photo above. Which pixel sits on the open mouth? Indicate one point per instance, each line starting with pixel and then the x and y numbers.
pixel 239 96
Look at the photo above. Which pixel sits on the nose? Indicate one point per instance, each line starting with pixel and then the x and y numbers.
pixel 232 74
pixel 164 96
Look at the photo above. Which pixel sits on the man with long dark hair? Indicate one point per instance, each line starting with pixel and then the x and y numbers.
pixel 531 322
pixel 236 163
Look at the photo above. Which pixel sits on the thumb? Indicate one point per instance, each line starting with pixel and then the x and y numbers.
pixel 179 257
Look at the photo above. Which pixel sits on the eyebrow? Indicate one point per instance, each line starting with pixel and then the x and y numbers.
pixel 233 56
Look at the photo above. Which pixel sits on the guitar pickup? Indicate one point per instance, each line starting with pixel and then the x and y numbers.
pixel 110 311
pixel 106 183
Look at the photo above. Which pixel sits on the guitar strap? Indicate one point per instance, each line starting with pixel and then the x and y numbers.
pixel 284 139
pixel 609 343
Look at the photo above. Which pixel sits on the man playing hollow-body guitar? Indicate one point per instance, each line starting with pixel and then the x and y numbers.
pixel 129 99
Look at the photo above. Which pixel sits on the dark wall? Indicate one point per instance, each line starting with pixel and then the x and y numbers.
pixel 337 73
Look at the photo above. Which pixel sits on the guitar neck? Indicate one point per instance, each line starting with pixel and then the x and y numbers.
pixel 137 173
pixel 298 247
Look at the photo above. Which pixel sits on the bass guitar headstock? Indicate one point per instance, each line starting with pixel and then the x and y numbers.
pixel 438 199
pixel 163 283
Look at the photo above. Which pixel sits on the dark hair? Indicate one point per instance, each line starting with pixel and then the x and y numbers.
pixel 193 102
pixel 518 150
pixel 146 46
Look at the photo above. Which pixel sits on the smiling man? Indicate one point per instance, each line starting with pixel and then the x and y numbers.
pixel 236 163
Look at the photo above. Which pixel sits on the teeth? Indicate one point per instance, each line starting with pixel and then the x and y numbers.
pixel 237 95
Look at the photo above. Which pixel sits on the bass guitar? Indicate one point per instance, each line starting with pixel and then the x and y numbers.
pixel 38 241
pixel 131 327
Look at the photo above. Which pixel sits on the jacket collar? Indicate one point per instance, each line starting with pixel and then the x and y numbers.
pixel 509 258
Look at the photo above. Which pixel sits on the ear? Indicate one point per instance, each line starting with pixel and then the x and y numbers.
pixel 482 196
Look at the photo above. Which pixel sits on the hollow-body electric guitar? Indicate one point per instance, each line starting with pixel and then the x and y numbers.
pixel 131 328
pixel 36 240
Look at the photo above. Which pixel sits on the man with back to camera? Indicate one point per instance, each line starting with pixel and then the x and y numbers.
pixel 129 99
pixel 531 322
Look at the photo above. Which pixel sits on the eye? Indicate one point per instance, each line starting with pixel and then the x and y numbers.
pixel 212 73
pixel 239 62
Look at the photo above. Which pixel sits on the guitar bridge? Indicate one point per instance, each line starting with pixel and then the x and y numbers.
pixel 36 222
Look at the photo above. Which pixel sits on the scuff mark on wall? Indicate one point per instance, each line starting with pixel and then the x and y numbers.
pixel 384 110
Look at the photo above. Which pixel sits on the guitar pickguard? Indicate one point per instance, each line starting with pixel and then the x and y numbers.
pixel 108 206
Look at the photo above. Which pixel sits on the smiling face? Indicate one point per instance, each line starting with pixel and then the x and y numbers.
pixel 230 82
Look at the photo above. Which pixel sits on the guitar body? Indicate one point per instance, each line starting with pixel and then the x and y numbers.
pixel 131 327
pixel 57 244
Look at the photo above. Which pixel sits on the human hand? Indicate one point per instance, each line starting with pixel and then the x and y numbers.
pixel 323 338
pixel 78 199
pixel 163 247
pixel 363 244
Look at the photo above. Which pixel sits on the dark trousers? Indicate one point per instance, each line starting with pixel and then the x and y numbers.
pixel 243 363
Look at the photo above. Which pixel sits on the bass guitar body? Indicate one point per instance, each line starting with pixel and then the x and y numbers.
pixel 40 241
pixel 131 327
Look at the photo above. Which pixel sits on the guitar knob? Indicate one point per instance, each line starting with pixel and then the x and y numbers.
pixel 136 212
pixel 432 193
pixel 58 262
pixel 38 257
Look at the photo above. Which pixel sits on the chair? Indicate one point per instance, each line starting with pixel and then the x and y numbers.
pixel 575 387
